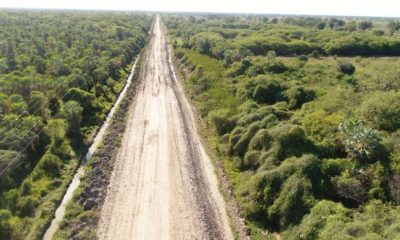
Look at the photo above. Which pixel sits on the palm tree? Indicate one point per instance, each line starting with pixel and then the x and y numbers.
pixel 360 141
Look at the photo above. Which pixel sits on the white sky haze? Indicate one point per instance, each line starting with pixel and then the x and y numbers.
pixel 388 8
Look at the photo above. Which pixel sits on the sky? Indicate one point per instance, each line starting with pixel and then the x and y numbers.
pixel 379 8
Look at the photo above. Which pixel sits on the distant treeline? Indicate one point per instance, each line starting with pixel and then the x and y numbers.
pixel 290 36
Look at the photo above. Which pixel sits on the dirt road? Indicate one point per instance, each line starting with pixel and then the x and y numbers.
pixel 163 185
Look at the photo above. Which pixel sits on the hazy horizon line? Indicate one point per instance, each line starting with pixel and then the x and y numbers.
pixel 195 12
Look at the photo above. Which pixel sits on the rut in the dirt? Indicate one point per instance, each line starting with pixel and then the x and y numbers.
pixel 163 185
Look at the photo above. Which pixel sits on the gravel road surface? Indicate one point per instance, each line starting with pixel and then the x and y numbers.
pixel 163 185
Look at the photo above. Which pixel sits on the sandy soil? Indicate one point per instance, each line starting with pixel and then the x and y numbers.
pixel 163 185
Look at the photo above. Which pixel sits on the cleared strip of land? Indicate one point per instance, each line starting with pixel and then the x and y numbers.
pixel 163 185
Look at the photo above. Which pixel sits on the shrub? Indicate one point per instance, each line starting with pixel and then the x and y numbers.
pixel 51 164
pixel 303 58
pixel 5 226
pixel 85 99
pixel 382 110
pixel 56 128
pixel 239 68
pixel 252 159
pixel 346 68
pixel 335 167
pixel 321 128
pixel 275 67
pixel 240 147
pixel 290 140
pixel 261 140
pixel 268 92
pixel 221 121
pixel 315 54
pixel 297 96
pixel 294 200
pixel 351 189
pixel 272 195
pixel 26 206
pixel 320 215
pixel 350 79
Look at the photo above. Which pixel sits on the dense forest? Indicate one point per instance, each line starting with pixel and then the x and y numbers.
pixel 304 112
pixel 60 72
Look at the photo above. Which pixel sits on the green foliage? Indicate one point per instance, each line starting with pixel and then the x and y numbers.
pixel 268 92
pixel 56 129
pixel 351 189
pixel 322 214
pixel 275 67
pixel 335 167
pixel 73 113
pixel 38 104
pixel 221 120
pixel 361 142
pixel 393 26
pixel 297 96
pixel 382 110
pixel 294 200
pixel 274 194
pixel 329 220
pixel 52 65
pixel 322 129
pixel 26 206
pixel 50 164
pixel 365 25
pixel 346 68
pixel 273 107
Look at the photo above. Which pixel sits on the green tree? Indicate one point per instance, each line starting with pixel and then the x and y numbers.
pixel 393 26
pixel 56 129
pixel 38 104
pixel 73 113
pixel 10 58
pixel 365 25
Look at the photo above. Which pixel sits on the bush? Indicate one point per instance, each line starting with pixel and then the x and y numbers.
pixel 252 160
pixel 322 128
pixel 303 58
pixel 295 199
pixel 382 110
pixel 297 177
pixel 268 92
pixel 290 140
pixel 351 189
pixel 261 140
pixel 5 226
pixel 322 214
pixel 315 54
pixel 335 167
pixel 275 67
pixel 221 121
pixel 26 206
pixel 51 164
pixel 240 147
pixel 346 68
pixel 56 129
pixel 297 96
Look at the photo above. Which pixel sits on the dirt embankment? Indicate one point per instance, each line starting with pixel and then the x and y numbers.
pixel 100 167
